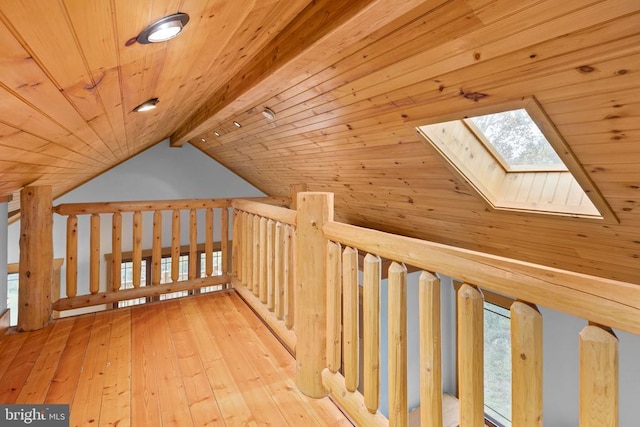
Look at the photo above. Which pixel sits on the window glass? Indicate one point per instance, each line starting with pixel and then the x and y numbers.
pixel 517 138
pixel 12 297
pixel 497 364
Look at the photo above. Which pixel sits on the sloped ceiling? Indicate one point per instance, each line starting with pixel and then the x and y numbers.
pixel 345 79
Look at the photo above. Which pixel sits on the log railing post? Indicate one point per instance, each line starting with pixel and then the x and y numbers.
pixel 314 210
pixel 36 258
pixel 598 351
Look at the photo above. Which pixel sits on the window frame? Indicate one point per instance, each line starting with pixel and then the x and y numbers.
pixel 493 195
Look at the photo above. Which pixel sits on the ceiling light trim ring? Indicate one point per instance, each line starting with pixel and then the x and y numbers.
pixel 147 105
pixel 171 25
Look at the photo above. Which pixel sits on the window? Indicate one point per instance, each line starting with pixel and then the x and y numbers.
pixel 516 160
pixel 165 272
pixel 497 364
pixel 516 141
pixel 12 298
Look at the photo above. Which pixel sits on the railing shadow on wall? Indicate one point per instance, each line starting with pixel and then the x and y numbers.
pixel 298 269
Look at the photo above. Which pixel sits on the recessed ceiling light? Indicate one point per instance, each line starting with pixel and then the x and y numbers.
pixel 216 133
pixel 203 140
pixel 147 105
pixel 163 29
pixel 269 114
pixel 236 124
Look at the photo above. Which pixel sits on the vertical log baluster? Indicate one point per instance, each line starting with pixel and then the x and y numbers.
pixel 208 242
pixel 116 251
pixel 270 264
pixel 398 400
pixel 137 248
pixel 193 244
pixel 471 356
pixel 247 258
pixel 224 241
pixel 94 255
pixel 255 269
pixel 175 246
pixel 371 331
pixel 156 249
pixel 72 256
pixel 350 319
pixel 236 238
pixel 262 280
pixel 334 306
pixel 279 276
pixel 430 351
pixel 598 377
pixel 526 365
pixel 289 279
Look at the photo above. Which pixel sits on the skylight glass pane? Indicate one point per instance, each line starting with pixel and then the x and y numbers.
pixel 517 138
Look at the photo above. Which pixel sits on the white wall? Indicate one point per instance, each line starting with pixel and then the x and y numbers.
pixel 3 256
pixel 159 173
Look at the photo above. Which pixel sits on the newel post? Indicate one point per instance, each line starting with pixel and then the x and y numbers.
pixel 36 258
pixel 314 210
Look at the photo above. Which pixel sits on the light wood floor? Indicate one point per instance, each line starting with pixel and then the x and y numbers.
pixel 204 360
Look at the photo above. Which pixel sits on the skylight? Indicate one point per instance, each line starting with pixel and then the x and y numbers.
pixel 517 140
pixel 516 160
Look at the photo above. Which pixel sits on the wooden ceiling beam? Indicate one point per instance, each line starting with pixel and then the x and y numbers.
pixel 322 28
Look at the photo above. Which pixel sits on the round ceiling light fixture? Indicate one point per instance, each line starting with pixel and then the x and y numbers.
pixel 269 114
pixel 147 105
pixel 163 29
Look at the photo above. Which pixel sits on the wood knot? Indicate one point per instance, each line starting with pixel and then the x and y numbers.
pixel 586 69
pixel 523 356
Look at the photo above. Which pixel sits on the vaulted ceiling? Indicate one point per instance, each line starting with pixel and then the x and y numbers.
pixel 346 79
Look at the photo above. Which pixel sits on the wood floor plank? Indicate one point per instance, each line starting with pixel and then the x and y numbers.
pixel 174 409
pixel 281 388
pixel 145 406
pixel 87 401
pixel 230 400
pixel 116 395
pixel 9 346
pixel 204 360
pixel 201 399
pixel 325 409
pixel 37 383
pixel 242 369
pixel 65 380
pixel 12 381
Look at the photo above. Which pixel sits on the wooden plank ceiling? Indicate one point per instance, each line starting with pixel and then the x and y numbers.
pixel 344 78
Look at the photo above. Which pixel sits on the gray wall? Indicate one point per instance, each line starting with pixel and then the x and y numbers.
pixel 159 173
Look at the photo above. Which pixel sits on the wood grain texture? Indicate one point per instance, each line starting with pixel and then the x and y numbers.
pixel 350 319
pixel 598 377
pixel 471 356
pixel 314 210
pixel 371 331
pixel 36 259
pixel 398 398
pixel 430 350
pixel 526 364
pixel 204 360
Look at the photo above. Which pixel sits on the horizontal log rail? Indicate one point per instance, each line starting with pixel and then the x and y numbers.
pixel 275 213
pixel 142 206
pixel 141 292
pixel 604 301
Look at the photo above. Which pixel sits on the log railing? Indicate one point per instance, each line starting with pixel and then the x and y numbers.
pixel 300 272
pixel 264 263
pixel 602 301
pixel 101 215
